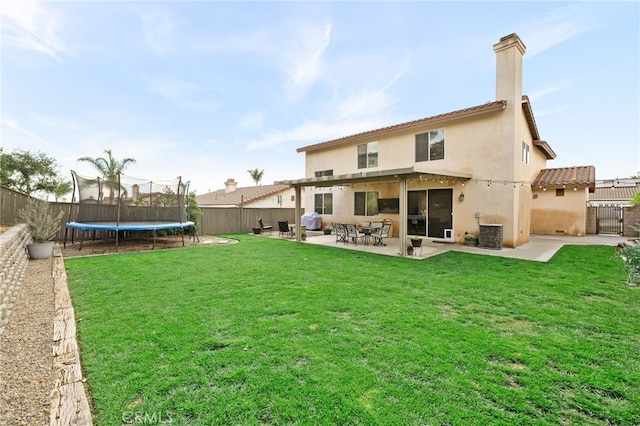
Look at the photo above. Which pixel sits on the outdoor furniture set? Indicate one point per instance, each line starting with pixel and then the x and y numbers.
pixel 376 231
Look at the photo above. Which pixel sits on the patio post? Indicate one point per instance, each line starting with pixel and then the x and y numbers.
pixel 298 209
pixel 402 229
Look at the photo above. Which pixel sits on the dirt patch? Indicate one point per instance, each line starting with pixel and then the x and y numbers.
pixel 129 245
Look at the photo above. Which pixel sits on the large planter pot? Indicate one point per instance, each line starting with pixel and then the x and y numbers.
pixel 40 250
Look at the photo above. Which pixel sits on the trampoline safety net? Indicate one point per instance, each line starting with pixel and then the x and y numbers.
pixel 128 203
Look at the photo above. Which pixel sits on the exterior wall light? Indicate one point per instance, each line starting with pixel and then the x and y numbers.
pixel 461 197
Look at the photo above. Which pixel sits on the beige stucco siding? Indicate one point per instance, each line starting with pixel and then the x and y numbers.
pixel 470 147
pixel 552 215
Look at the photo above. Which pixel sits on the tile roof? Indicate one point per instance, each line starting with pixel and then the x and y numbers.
pixel 577 175
pixel 239 197
pixel 467 112
pixel 619 193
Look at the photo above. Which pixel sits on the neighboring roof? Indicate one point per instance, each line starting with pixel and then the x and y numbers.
pixel 615 193
pixel 239 197
pixel 436 119
pixel 619 193
pixel 577 176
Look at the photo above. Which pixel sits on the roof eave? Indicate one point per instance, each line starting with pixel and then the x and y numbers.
pixel 403 127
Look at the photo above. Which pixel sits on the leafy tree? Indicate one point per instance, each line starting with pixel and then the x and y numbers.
pixel 28 172
pixel 635 200
pixel 109 168
pixel 256 175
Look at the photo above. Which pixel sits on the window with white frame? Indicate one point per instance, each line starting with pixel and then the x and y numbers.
pixel 525 152
pixel 430 145
pixel 368 155
pixel 321 173
pixel 323 203
pixel 366 203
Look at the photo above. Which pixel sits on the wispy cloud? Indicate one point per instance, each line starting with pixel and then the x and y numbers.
pixel 185 94
pixel 358 113
pixel 11 123
pixel 252 121
pixel 159 29
pixel 31 26
pixel 303 61
pixel 557 27
pixel 552 111
pixel 540 93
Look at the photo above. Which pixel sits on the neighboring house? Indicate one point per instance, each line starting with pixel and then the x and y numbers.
pixel 261 196
pixel 615 193
pixel 445 175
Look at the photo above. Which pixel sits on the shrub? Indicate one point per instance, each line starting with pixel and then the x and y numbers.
pixel 40 219
pixel 630 255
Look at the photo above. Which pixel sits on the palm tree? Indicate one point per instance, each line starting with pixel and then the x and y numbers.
pixel 62 188
pixel 109 168
pixel 256 175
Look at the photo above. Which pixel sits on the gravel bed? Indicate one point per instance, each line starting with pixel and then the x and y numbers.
pixel 26 354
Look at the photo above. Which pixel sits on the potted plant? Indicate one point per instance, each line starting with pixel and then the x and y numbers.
pixel 416 241
pixel 43 225
pixel 470 240
pixel 328 229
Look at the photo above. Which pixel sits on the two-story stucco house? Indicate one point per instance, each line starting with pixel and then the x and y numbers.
pixel 445 175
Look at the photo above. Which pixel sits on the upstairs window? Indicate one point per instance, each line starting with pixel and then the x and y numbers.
pixel 368 155
pixel 366 203
pixel 525 152
pixel 323 203
pixel 430 145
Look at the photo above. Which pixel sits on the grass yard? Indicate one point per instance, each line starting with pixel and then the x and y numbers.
pixel 275 332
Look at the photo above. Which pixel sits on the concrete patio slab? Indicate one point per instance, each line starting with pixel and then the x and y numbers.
pixel 540 248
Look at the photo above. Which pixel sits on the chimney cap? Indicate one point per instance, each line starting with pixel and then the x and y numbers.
pixel 509 41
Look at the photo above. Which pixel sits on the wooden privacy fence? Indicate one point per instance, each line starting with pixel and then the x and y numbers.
pixel 214 220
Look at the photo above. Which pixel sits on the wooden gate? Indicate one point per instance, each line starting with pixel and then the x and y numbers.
pixel 610 220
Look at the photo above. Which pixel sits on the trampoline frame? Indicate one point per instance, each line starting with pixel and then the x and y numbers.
pixel 117 225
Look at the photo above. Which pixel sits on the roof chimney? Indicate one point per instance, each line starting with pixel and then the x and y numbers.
pixel 230 186
pixel 509 51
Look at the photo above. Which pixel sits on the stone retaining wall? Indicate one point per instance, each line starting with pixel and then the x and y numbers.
pixel 13 265
pixel 69 402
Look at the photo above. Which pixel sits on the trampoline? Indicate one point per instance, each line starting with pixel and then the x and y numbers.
pixel 122 205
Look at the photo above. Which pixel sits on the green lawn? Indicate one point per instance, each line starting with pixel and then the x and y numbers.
pixel 274 332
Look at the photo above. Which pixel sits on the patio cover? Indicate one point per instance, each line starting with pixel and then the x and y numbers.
pixel 401 175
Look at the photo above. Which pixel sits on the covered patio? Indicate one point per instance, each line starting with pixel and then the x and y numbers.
pixel 540 248
pixel 400 176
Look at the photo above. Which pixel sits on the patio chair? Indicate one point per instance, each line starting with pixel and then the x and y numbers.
pixel 352 233
pixel 341 232
pixel 285 229
pixel 379 234
pixel 263 227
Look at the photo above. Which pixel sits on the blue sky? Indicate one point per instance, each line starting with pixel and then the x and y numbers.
pixel 208 90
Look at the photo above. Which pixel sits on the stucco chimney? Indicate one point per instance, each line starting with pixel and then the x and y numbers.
pixel 230 186
pixel 509 52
